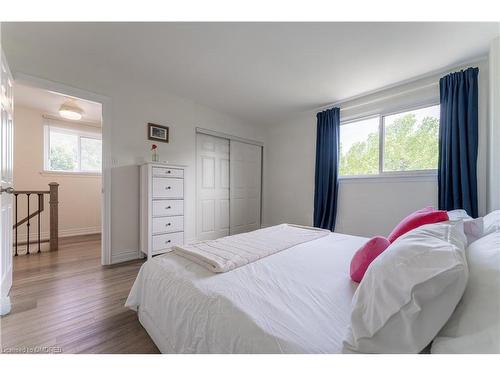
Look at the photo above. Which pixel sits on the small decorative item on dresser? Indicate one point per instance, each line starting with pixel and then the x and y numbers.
pixel 154 153
pixel 157 133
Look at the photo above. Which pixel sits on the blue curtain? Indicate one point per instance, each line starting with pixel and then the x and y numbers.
pixel 458 138
pixel 326 177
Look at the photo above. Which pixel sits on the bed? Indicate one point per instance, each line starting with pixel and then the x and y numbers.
pixel 295 301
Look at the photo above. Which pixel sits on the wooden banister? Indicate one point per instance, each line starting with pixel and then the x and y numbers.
pixel 27 218
pixel 54 216
pixel 34 192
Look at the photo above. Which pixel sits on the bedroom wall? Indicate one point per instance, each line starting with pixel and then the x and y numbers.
pixel 366 206
pixel 494 128
pixel 134 104
pixel 79 196
pixel 132 109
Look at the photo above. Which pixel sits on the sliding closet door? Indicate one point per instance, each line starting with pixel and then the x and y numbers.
pixel 212 169
pixel 245 187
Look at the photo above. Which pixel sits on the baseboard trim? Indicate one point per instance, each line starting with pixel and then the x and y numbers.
pixel 124 256
pixel 79 231
pixel 62 233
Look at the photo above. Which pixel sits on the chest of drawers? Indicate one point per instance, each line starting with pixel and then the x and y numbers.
pixel 162 208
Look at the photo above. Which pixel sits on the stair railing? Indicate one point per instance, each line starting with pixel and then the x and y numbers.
pixel 53 239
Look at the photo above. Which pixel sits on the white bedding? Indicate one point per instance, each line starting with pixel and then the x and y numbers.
pixel 295 301
pixel 227 253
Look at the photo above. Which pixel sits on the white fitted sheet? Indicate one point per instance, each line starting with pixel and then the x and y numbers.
pixel 295 301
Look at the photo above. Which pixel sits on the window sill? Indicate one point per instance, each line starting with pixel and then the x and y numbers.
pixel 70 174
pixel 392 177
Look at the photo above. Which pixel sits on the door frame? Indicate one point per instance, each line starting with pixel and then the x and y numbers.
pixel 6 278
pixel 217 134
pixel 106 108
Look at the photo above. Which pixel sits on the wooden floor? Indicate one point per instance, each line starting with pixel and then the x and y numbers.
pixel 65 301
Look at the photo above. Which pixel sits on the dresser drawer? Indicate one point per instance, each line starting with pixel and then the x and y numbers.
pixel 163 242
pixel 168 224
pixel 168 208
pixel 168 172
pixel 168 187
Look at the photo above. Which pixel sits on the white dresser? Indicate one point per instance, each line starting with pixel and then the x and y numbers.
pixel 162 207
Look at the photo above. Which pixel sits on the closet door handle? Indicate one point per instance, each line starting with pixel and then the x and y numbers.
pixel 168 187
pixel 166 242
pixel 167 225
pixel 168 208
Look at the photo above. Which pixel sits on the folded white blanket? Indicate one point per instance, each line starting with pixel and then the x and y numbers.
pixel 227 253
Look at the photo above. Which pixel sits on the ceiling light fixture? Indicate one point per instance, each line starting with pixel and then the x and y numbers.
pixel 70 110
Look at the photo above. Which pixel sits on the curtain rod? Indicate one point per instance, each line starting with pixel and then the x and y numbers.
pixel 400 83
pixel 385 97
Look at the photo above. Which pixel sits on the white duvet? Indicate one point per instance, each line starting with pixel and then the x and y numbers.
pixel 295 301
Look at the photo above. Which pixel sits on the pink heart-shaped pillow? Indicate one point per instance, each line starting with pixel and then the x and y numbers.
pixel 365 255
pixel 416 219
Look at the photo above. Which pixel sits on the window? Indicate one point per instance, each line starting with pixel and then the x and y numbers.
pixel 399 143
pixel 411 140
pixel 359 144
pixel 90 155
pixel 72 151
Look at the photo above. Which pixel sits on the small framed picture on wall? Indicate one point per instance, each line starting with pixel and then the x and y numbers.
pixel 157 132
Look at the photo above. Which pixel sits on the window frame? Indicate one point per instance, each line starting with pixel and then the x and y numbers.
pixel 418 173
pixel 79 134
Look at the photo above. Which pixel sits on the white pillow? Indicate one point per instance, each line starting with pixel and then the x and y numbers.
pixel 491 222
pixel 474 327
pixel 473 228
pixel 409 291
pixel 456 215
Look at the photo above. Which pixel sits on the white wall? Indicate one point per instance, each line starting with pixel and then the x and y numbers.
pixel 132 109
pixel 494 128
pixel 288 152
pixel 79 196
pixel 134 103
pixel 368 206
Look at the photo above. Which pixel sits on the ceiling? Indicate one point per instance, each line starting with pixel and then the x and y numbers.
pixel 256 71
pixel 49 102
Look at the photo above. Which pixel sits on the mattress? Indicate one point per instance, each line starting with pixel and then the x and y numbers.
pixel 295 301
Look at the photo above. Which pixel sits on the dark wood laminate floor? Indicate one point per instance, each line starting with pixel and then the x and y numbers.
pixel 67 302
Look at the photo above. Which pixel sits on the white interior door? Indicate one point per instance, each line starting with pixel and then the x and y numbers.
pixel 245 187
pixel 6 164
pixel 212 176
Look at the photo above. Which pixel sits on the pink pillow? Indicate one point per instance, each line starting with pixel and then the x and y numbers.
pixel 365 255
pixel 421 217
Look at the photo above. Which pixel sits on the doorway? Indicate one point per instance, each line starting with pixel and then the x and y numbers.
pixel 57 169
pixel 105 104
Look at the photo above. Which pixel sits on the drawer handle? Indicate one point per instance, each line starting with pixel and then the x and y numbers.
pixel 167 187
pixel 167 241
pixel 168 208
pixel 169 172
pixel 168 224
